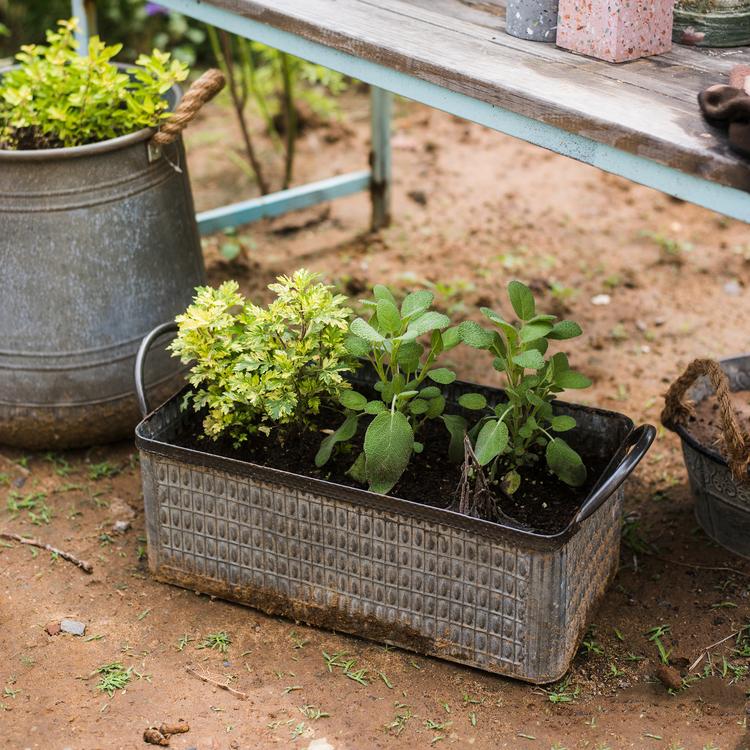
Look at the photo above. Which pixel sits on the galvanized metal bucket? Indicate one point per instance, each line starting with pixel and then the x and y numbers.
pixel 99 244
pixel 412 575
pixel 722 502
pixel 712 23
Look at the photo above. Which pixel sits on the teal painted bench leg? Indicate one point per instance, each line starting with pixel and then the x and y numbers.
pixel 380 156
pixel 85 12
pixel 377 179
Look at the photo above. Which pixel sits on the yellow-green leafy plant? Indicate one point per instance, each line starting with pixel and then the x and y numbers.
pixel 265 369
pixel 58 98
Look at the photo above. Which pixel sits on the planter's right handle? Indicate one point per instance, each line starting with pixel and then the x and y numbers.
pixel 202 91
pixel 632 450
pixel 140 361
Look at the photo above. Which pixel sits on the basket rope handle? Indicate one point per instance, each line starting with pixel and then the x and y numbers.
pixel 676 411
pixel 202 91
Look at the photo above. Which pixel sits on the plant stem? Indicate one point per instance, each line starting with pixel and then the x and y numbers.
pixel 224 57
pixel 290 117
pixel 249 69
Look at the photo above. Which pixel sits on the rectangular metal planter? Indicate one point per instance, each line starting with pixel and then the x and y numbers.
pixel 411 575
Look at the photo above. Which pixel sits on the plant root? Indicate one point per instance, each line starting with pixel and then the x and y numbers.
pixel 474 495
pixel 475 498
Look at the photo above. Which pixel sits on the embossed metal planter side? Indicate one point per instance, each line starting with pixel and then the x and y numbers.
pixel 98 245
pixel 532 19
pixel 722 505
pixel 724 23
pixel 415 576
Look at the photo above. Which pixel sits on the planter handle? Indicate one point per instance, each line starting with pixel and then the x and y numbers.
pixel 202 91
pixel 628 456
pixel 676 411
pixel 140 362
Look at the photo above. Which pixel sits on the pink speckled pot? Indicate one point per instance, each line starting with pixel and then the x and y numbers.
pixel 615 30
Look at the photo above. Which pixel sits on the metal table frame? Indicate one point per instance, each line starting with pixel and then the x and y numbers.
pixel 376 179
pixel 384 81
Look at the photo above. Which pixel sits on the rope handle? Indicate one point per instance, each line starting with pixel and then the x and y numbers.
pixel 202 91
pixel 676 411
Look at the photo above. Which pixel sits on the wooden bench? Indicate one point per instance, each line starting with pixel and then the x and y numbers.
pixel 638 119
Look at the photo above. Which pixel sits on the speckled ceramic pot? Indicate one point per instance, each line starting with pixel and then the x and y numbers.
pixel 532 19
pixel 723 23
pixel 615 30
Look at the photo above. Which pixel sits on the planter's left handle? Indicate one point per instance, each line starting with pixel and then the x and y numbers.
pixel 140 361
pixel 632 450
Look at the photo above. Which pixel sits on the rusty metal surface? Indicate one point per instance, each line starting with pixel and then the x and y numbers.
pixel 416 576
pixel 97 246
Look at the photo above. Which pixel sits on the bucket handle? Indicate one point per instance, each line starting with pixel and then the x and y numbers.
pixel 200 92
pixel 676 411
pixel 140 362
pixel 628 456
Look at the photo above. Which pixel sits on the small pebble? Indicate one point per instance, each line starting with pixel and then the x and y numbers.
pixel 691 36
pixel 120 526
pixel 732 288
pixel 601 299
pixel 418 196
pixel 52 628
pixel 74 627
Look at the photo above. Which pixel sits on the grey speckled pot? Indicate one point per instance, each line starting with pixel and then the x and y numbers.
pixel 532 19
pixel 722 505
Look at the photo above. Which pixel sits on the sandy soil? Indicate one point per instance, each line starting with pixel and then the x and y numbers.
pixel 472 209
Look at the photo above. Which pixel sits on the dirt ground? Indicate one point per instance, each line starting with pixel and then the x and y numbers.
pixel 472 209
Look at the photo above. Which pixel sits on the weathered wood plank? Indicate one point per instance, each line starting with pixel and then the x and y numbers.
pixel 646 107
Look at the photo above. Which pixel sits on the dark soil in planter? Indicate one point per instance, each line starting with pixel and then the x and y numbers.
pixel 31 139
pixel 706 427
pixel 543 504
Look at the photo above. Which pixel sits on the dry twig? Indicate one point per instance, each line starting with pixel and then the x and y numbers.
pixel 721 568
pixel 707 649
pixel 14 465
pixel 242 696
pixel 82 564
